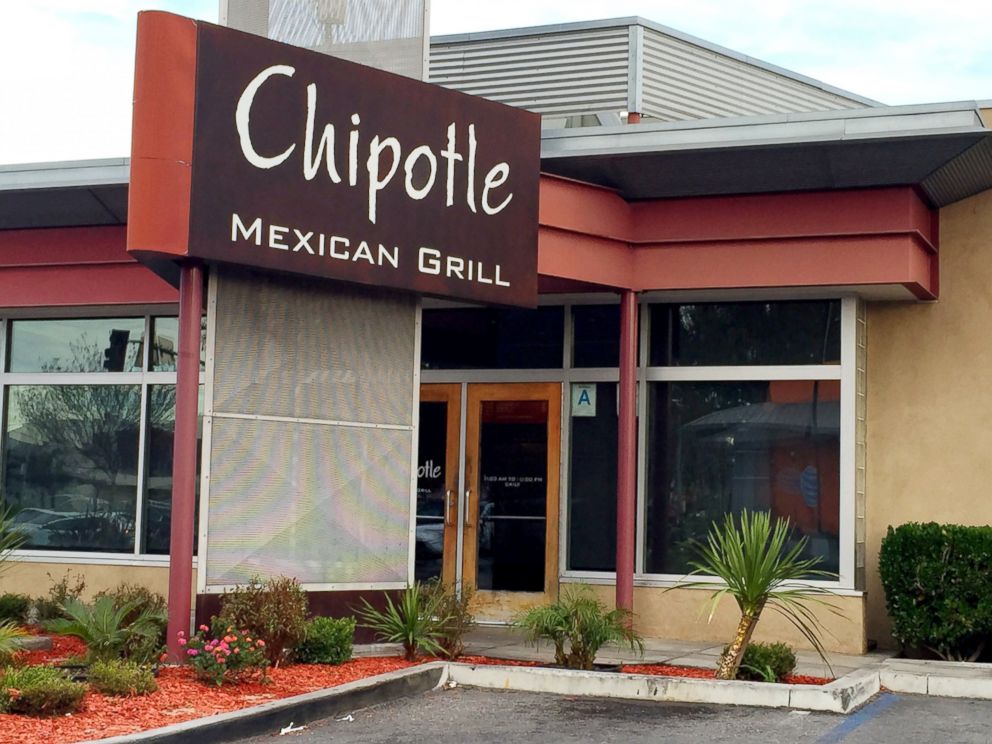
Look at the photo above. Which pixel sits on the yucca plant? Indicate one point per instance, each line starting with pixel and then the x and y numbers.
pixel 412 621
pixel 759 570
pixel 107 631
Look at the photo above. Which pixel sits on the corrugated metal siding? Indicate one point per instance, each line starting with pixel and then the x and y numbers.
pixel 558 74
pixel 683 81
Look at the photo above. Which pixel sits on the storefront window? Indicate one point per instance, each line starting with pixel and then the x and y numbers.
pixel 717 448
pixel 165 344
pixel 70 464
pixel 745 333
pixel 72 453
pixel 592 497
pixel 595 335
pixel 91 345
pixel 489 338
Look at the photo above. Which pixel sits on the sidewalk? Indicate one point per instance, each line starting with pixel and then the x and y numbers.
pixel 502 642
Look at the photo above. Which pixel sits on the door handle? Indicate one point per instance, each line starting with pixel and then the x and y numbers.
pixel 468 510
pixel 449 497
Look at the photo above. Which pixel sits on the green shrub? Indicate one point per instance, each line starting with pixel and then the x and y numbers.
pixel 39 691
pixel 103 627
pixel 412 621
pixel 14 607
pixel 328 640
pixel 937 587
pixel 766 662
pixel 11 537
pixel 579 625
pixel 124 678
pixel 64 589
pixel 455 607
pixel 275 610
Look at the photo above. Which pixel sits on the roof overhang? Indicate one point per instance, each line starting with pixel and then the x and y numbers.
pixel 944 149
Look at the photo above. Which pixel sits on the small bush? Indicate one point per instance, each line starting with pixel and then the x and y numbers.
pixel 123 678
pixel 579 625
pixel 328 640
pixel 14 607
pixel 937 588
pixel 766 662
pixel 449 604
pixel 142 601
pixel 39 691
pixel 275 610
pixel 222 654
pixel 63 590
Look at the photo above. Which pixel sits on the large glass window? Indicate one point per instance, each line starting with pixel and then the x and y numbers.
pixel 492 339
pixel 745 333
pixel 592 493
pixel 71 464
pixel 90 345
pixel 87 455
pixel 717 448
pixel 595 335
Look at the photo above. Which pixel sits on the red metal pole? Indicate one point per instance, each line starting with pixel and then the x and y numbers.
pixel 627 451
pixel 184 457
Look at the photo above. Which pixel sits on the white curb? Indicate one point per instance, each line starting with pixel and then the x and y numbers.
pixel 840 696
pixel 938 678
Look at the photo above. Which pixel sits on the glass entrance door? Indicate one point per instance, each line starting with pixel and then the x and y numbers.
pixel 503 525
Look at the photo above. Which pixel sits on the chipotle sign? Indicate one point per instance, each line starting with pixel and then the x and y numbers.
pixel 252 152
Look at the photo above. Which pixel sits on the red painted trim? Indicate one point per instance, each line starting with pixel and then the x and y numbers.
pixel 627 452
pixel 75 266
pixel 589 235
pixel 162 134
pixel 184 458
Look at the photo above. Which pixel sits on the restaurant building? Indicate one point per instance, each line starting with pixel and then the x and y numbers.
pixel 754 291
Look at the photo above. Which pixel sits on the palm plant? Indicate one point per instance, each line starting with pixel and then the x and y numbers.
pixel 108 630
pixel 759 570
pixel 412 621
pixel 10 635
pixel 582 623
pixel 11 538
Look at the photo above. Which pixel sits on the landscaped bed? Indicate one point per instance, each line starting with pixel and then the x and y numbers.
pixel 182 697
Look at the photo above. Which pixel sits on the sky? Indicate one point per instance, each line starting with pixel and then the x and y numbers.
pixel 66 66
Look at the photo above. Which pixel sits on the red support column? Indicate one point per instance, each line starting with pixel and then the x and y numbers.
pixel 184 457
pixel 627 451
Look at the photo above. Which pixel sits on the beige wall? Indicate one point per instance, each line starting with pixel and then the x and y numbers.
pixel 681 614
pixel 929 405
pixel 33 578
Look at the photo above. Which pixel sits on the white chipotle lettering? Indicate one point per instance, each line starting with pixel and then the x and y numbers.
pixel 385 156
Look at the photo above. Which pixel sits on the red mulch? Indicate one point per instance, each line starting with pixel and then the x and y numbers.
pixel 666 670
pixel 181 696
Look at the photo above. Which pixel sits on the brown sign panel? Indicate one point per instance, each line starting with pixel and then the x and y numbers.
pixel 299 162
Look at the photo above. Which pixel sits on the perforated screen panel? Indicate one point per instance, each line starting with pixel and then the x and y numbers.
pixel 311 436
pixel 289 347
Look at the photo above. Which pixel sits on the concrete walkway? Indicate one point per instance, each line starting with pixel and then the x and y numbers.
pixel 502 642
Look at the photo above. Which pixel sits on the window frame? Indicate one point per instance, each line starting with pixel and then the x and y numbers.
pixel 144 379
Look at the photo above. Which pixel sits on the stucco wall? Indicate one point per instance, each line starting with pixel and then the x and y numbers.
pixel 929 403
pixel 681 614
pixel 35 579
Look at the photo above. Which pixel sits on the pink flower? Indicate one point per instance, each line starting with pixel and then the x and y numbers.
pixel 192 651
pixel 260 643
pixel 220 659
pixel 182 641
pixel 181 633
pixel 204 628
pixel 237 650
pixel 163 658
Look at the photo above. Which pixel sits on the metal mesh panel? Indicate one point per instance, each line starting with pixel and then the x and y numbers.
pixel 289 347
pixel 326 499
pixel 325 504
pixel 388 34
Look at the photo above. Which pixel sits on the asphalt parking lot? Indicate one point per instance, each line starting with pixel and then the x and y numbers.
pixel 463 715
